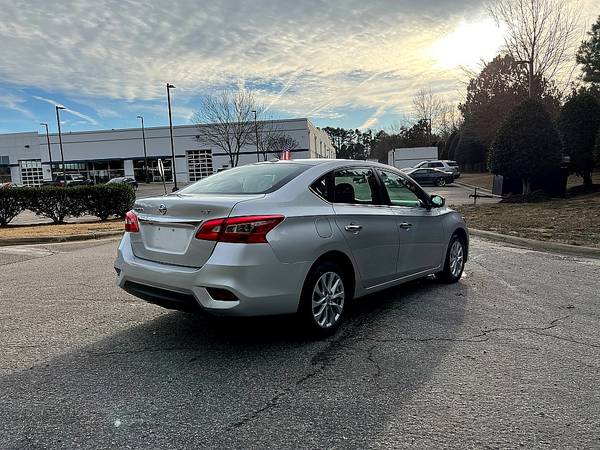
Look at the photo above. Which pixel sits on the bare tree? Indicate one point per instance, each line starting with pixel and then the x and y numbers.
pixel 430 107
pixel 226 121
pixel 272 140
pixel 539 33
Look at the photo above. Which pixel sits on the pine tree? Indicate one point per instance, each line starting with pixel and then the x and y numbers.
pixel 527 144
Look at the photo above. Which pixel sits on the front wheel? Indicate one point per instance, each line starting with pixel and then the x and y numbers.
pixel 455 260
pixel 324 299
pixel 440 182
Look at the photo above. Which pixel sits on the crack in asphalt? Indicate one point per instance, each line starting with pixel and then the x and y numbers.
pixel 481 337
pixel 325 357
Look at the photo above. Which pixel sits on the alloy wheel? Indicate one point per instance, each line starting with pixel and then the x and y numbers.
pixel 328 299
pixel 456 258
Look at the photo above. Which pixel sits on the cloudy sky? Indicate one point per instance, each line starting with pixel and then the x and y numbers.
pixel 351 63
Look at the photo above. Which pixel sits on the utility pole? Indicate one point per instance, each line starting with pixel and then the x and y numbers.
pixel 145 154
pixel 49 149
pixel 62 155
pixel 173 171
pixel 256 133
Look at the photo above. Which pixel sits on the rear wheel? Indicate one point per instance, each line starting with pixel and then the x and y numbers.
pixel 324 299
pixel 440 182
pixel 455 260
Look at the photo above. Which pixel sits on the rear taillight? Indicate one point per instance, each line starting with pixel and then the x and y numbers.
pixel 241 230
pixel 131 223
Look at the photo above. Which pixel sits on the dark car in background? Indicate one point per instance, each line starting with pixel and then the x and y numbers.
pixel 70 179
pixel 431 176
pixel 124 180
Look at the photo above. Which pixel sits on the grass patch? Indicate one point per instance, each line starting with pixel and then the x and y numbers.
pixel 483 180
pixel 47 230
pixel 573 221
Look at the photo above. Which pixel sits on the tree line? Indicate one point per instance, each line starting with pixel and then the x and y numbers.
pixel 515 120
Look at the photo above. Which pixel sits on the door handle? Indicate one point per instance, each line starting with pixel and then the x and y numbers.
pixel 405 225
pixel 353 228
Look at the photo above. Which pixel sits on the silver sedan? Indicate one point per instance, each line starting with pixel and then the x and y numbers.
pixel 300 237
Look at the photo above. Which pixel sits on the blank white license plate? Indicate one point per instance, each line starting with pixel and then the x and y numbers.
pixel 167 238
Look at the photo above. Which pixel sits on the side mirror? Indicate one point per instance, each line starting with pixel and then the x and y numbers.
pixel 437 201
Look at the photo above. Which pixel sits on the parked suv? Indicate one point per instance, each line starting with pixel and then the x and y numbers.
pixel 445 165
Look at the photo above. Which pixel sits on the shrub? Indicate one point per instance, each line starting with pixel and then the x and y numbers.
pixel 12 202
pixel 57 203
pixel 108 200
pixel 527 145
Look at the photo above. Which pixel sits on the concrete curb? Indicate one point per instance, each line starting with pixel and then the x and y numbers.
pixel 545 246
pixel 56 239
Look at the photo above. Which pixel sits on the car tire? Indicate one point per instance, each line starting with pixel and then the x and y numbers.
pixel 440 182
pixel 323 318
pixel 455 255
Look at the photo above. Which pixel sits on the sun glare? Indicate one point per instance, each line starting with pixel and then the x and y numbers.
pixel 468 44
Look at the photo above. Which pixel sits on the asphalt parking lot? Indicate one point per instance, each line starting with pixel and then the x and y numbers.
pixel 508 357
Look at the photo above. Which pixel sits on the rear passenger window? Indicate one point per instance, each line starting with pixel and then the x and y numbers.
pixel 356 186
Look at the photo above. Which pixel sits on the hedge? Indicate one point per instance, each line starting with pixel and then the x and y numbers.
pixel 12 202
pixel 58 203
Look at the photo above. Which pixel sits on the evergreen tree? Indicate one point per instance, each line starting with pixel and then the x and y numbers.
pixel 579 125
pixel 527 144
pixel 589 55
pixel 470 153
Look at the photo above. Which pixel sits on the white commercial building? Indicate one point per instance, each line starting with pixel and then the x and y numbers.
pixel 101 155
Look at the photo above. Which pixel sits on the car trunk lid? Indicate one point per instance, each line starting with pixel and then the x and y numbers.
pixel 168 226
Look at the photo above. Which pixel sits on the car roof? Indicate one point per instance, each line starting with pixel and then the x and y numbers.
pixel 331 163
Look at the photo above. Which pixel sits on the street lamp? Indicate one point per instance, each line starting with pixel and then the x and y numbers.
pixel 145 154
pixel 49 149
pixel 529 64
pixel 62 155
pixel 173 171
pixel 256 132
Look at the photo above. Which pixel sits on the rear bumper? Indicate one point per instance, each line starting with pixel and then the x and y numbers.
pixel 262 284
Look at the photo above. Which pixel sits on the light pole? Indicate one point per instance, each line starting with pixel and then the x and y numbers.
pixel 145 154
pixel 49 149
pixel 62 155
pixel 529 64
pixel 256 133
pixel 173 171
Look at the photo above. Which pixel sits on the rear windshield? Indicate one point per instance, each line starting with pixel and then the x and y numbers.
pixel 452 163
pixel 253 179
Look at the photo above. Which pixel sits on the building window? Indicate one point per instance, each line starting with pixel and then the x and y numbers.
pixel 199 164
pixel 5 174
pixel 153 172
pixel 4 169
pixel 31 172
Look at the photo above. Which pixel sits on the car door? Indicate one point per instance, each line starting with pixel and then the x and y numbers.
pixel 367 224
pixel 421 232
pixel 420 176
